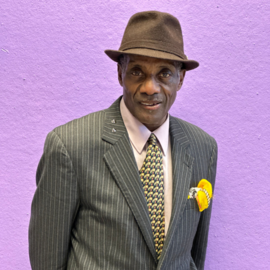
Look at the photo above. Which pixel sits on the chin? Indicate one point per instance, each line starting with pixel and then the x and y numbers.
pixel 152 125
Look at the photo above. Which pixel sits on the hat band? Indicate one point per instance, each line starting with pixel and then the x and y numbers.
pixel 154 50
pixel 152 45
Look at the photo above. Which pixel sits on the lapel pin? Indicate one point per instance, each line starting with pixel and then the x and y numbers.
pixel 202 193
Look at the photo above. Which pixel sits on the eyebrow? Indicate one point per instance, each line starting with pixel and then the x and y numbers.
pixel 172 65
pixel 161 66
pixel 137 66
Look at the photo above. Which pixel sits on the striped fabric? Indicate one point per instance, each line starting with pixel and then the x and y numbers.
pixel 89 210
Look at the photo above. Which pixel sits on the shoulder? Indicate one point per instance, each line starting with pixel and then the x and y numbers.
pixel 76 135
pixel 194 134
pixel 85 131
pixel 89 125
pixel 83 125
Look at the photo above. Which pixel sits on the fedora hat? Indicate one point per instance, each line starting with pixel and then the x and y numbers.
pixel 154 34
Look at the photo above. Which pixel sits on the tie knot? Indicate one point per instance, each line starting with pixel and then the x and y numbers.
pixel 152 139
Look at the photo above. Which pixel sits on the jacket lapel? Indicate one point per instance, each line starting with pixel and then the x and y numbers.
pixel 182 163
pixel 121 162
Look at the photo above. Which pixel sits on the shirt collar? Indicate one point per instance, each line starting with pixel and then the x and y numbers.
pixel 139 133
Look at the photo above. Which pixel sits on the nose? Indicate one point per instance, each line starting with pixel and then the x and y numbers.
pixel 150 86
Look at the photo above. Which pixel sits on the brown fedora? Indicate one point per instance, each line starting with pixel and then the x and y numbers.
pixel 154 34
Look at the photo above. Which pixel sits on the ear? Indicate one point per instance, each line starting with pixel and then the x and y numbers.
pixel 182 77
pixel 119 70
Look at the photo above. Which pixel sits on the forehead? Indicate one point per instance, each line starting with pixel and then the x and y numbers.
pixel 145 60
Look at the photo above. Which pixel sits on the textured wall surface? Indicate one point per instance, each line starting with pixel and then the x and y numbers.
pixel 53 69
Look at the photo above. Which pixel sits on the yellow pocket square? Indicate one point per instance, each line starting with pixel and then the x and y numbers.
pixel 202 193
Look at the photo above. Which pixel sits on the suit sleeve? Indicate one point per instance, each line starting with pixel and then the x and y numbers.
pixel 54 207
pixel 200 241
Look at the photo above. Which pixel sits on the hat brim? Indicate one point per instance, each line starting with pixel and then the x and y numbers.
pixel 188 64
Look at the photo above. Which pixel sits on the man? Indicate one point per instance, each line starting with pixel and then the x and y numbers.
pixel 112 187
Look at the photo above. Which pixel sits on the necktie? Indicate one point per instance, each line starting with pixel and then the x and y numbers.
pixel 152 179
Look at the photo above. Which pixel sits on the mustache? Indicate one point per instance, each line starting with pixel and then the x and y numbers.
pixel 143 97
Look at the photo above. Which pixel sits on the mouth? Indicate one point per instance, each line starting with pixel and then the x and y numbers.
pixel 150 105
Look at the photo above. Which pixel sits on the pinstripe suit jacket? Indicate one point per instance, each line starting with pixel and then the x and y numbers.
pixel 89 209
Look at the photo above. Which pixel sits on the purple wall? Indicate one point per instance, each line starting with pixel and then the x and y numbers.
pixel 53 69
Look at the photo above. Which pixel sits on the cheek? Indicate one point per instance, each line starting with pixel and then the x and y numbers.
pixel 128 97
pixel 171 96
pixel 126 91
pixel 128 87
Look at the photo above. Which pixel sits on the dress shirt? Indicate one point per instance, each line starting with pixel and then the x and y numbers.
pixel 138 136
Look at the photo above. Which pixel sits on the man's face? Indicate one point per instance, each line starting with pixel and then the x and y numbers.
pixel 149 88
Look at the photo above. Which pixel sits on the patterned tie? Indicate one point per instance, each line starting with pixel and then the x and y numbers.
pixel 152 178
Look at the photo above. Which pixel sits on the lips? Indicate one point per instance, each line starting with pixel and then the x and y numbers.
pixel 150 105
pixel 150 102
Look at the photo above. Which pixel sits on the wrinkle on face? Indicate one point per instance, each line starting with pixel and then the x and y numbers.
pixel 150 87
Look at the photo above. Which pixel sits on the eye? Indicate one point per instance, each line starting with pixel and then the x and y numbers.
pixel 136 73
pixel 165 73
